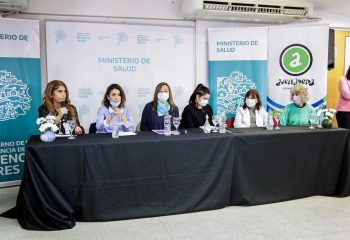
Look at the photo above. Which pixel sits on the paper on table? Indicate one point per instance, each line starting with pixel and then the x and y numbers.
pixel 122 134
pixel 64 135
pixel 161 131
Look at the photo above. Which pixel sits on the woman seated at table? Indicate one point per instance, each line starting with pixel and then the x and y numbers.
pixel 162 103
pixel 56 103
pixel 251 114
pixel 194 114
pixel 113 111
pixel 299 112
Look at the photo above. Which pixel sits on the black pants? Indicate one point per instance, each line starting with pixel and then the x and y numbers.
pixel 343 119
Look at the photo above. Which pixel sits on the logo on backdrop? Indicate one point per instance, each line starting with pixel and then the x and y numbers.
pixel 121 37
pixel 296 59
pixel 231 91
pixel 14 97
pixel 178 91
pixel 178 40
pixel 60 35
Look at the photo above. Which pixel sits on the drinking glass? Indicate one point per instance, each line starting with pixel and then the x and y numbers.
pixel 176 123
pixel 277 117
pixel 71 124
pixel 310 118
pixel 215 120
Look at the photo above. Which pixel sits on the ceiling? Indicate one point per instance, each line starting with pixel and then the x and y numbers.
pixel 340 7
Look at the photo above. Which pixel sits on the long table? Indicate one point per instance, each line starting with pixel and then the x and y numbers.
pixel 98 178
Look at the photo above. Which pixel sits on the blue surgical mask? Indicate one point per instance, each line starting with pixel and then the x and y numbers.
pixel 114 105
pixel 163 96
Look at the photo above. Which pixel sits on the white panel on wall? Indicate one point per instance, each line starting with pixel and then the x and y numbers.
pixel 91 56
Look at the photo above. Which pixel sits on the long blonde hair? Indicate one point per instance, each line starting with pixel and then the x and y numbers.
pixel 48 99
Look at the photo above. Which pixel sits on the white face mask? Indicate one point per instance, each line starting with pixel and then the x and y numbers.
pixel 297 100
pixel 114 105
pixel 203 102
pixel 163 96
pixel 250 102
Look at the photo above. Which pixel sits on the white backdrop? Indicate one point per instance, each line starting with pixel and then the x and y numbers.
pixel 90 56
pixel 283 40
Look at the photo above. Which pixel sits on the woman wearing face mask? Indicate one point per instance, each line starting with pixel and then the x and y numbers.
pixel 195 112
pixel 56 103
pixel 296 113
pixel 163 103
pixel 251 114
pixel 113 106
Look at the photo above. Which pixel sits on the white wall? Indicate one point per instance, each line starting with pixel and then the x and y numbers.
pixel 158 12
pixel 166 9
pixel 335 21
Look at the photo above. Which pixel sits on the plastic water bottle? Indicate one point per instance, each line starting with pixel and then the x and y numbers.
pixel 167 125
pixel 320 116
pixel 269 125
pixel 206 127
pixel 115 127
pixel 222 123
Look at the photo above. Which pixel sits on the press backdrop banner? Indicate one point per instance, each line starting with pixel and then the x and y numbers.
pixel 297 55
pixel 20 93
pixel 89 57
pixel 237 63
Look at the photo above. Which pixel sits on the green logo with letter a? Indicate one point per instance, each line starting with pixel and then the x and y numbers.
pixel 296 59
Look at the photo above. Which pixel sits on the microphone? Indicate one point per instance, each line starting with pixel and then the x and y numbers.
pixel 65 116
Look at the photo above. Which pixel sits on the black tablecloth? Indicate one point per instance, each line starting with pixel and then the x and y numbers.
pixel 95 178
pixel 288 164
pixel 98 178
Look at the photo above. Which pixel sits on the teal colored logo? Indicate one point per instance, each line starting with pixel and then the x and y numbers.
pixel 296 59
pixel 14 96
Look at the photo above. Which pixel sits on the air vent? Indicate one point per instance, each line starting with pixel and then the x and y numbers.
pixel 13 5
pixel 295 11
pixel 243 7
pixel 248 10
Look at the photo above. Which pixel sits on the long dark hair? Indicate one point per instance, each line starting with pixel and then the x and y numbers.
pixel 155 97
pixel 111 87
pixel 200 90
pixel 348 73
pixel 254 93
pixel 48 100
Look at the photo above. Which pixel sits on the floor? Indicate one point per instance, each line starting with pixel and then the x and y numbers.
pixel 314 218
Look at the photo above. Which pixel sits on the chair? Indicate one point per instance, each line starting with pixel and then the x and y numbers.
pixel 138 127
pixel 230 122
pixel 92 128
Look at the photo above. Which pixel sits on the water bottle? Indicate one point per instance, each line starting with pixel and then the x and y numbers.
pixel 222 123
pixel 115 127
pixel 320 116
pixel 269 125
pixel 167 125
pixel 206 127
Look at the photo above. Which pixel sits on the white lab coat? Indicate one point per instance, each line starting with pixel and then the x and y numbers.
pixel 242 119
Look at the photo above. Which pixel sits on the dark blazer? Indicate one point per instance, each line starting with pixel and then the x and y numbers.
pixel 150 119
